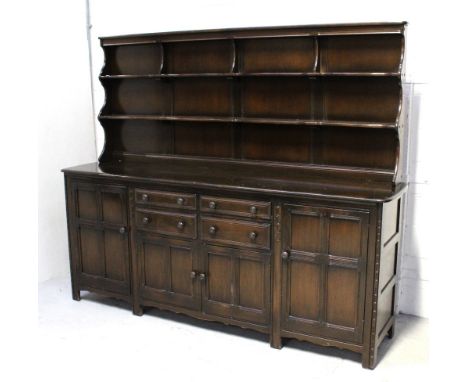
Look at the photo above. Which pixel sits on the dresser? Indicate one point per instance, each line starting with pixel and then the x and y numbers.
pixel 252 177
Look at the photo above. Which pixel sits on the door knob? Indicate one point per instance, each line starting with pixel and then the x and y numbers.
pixel 122 230
pixel 180 225
pixel 193 274
pixel 202 276
pixel 212 230
pixel 285 255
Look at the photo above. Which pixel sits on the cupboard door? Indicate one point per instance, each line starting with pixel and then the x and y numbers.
pixel 323 271
pixel 101 232
pixel 236 284
pixel 167 270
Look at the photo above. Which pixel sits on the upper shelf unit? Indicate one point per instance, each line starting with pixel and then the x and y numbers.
pixel 346 55
pixel 327 96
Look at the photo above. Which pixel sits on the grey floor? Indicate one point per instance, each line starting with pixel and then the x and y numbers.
pixel 99 339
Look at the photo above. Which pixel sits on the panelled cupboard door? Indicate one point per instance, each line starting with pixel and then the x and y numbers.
pixel 323 271
pixel 236 284
pixel 167 271
pixel 100 224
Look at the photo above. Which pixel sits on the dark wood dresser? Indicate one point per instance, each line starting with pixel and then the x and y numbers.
pixel 252 177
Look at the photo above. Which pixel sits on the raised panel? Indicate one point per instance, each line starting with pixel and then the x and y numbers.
pixel 181 266
pixel 305 232
pixel 154 265
pixel 388 260
pixel 251 284
pixel 345 235
pixel 385 308
pixel 304 290
pixel 113 207
pixel 116 252
pixel 92 259
pixel 342 297
pixel 219 278
pixel 390 219
pixel 87 204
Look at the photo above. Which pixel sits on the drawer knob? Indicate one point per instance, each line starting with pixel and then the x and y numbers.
pixel 180 225
pixel 193 274
pixel 253 210
pixel 253 235
pixel 212 230
pixel 180 201
pixel 202 276
pixel 285 255
pixel 144 197
pixel 212 205
pixel 122 230
pixel 145 220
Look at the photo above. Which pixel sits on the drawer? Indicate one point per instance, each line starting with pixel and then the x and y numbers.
pixel 165 199
pixel 239 207
pixel 229 231
pixel 167 223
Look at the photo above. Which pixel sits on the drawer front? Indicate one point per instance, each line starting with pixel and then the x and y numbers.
pixel 239 207
pixel 228 231
pixel 165 199
pixel 167 223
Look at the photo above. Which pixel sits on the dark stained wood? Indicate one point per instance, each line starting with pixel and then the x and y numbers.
pixel 153 198
pixel 165 271
pixel 237 207
pixel 296 55
pixel 264 142
pixel 202 139
pixel 198 57
pixel 235 232
pixel 375 54
pixel 99 236
pixel 196 96
pixel 132 59
pixel 272 97
pixel 166 223
pixel 323 280
pixel 249 176
pixel 237 284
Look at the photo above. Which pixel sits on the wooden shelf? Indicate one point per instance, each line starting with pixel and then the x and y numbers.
pixel 272 121
pixel 278 179
pixel 228 75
